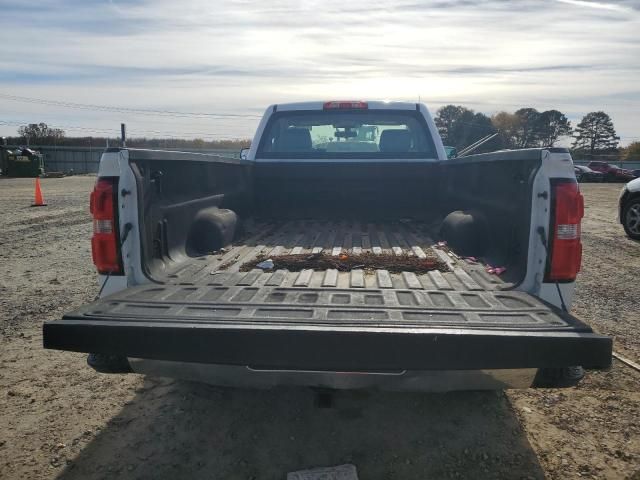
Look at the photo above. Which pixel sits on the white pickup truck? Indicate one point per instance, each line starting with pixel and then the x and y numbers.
pixel 343 250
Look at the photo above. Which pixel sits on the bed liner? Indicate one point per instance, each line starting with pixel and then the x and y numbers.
pixel 302 237
pixel 464 318
pixel 214 289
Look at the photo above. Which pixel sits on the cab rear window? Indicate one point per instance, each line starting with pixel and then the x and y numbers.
pixel 343 134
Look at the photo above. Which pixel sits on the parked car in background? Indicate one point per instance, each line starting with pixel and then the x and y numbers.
pixel 636 173
pixel 613 173
pixel 630 209
pixel 585 174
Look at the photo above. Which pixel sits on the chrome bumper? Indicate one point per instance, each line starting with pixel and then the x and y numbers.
pixel 425 380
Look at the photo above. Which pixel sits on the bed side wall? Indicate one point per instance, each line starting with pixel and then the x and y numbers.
pixel 497 189
pixel 188 206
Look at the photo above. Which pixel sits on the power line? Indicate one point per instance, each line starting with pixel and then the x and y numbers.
pixel 137 111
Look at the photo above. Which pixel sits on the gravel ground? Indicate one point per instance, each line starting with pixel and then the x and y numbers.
pixel 58 418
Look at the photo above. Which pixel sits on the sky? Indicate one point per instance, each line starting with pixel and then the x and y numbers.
pixel 88 65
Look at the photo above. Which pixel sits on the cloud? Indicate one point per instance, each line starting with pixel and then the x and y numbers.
pixel 599 5
pixel 242 55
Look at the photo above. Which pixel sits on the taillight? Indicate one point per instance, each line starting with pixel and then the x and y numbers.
pixel 358 105
pixel 567 209
pixel 105 247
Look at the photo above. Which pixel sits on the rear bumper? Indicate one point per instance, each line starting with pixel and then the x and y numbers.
pixel 355 348
pixel 413 381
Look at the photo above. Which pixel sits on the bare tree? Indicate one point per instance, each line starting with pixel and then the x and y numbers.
pixel 508 124
pixel 632 151
pixel 40 133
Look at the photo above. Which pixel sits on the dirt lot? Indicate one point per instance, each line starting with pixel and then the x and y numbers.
pixel 58 418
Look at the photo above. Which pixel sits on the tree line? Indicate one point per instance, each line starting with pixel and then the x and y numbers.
pixel 527 127
pixel 459 126
pixel 41 134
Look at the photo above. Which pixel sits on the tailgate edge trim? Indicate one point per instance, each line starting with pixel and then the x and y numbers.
pixel 327 349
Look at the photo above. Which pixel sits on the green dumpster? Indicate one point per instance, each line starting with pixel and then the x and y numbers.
pixel 4 154
pixel 24 163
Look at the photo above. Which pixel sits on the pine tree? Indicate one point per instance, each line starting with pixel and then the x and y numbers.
pixel 594 133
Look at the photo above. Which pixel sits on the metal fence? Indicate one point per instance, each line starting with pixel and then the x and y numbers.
pixel 86 159
pixel 629 165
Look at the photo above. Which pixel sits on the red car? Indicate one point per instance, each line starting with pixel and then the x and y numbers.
pixel 613 172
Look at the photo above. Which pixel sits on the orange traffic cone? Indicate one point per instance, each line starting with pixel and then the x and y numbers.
pixel 39 201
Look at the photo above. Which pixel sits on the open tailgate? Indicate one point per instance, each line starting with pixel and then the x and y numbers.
pixel 350 329
pixel 331 329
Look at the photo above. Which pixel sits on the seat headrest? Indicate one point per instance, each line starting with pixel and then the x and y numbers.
pixel 395 141
pixel 294 140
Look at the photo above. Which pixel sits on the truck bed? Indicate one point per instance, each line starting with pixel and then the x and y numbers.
pixel 206 304
pixel 466 316
pixel 464 295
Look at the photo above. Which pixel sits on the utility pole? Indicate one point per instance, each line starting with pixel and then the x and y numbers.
pixel 123 134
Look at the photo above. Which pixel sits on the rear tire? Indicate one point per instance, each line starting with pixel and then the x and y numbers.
pixel 631 218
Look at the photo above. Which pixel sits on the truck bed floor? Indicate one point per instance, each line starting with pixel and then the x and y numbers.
pixel 333 238
pixel 213 289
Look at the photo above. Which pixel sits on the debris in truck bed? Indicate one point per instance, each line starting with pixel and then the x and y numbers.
pixel 266 265
pixel 347 262
pixel 341 472
pixel 495 270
